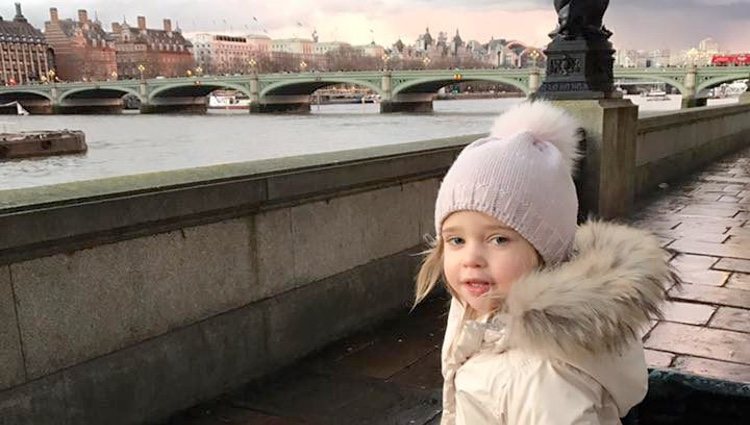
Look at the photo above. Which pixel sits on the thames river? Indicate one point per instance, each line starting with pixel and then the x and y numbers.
pixel 132 144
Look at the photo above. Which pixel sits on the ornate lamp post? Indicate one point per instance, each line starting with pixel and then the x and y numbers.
pixel 426 61
pixel 141 68
pixel 51 76
pixel 189 73
pixel 385 59
pixel 302 66
pixel 534 55
pixel 198 70
pixel 580 58
pixel 114 75
pixel 252 64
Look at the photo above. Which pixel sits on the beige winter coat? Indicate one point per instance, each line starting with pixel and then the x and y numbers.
pixel 565 348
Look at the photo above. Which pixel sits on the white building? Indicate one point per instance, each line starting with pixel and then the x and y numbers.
pixel 222 54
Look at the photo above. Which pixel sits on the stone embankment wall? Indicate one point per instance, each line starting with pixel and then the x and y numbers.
pixel 672 145
pixel 124 300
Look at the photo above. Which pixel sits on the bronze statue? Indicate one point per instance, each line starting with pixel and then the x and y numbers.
pixel 580 18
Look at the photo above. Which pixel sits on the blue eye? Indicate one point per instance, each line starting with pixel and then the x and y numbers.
pixel 500 240
pixel 454 241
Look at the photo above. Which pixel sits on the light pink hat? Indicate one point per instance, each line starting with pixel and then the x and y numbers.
pixel 522 174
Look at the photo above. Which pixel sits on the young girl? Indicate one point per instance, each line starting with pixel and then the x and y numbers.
pixel 545 318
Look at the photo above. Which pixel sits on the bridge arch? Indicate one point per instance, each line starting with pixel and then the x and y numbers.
pixel 196 88
pixel 433 84
pixel 715 81
pixel 97 93
pixel 653 77
pixel 309 86
pixel 24 94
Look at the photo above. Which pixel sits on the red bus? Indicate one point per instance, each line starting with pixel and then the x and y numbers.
pixel 737 59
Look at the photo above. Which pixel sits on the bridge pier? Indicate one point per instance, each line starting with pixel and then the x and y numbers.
pixel 693 102
pixel 88 106
pixel 174 109
pixel 279 108
pixel 408 102
pixel 389 107
pixel 175 105
pixel 285 104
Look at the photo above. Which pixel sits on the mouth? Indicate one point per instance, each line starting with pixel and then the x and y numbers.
pixel 477 287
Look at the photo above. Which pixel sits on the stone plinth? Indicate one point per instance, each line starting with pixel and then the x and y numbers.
pixel 606 183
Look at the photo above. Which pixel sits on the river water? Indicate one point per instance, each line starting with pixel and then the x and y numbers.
pixel 132 144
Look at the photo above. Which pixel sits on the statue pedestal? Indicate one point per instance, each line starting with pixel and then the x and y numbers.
pixel 578 69
pixel 607 176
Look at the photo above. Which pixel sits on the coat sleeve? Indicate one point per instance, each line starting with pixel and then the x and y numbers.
pixel 551 393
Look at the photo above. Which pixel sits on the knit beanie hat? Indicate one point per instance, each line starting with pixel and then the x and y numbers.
pixel 522 174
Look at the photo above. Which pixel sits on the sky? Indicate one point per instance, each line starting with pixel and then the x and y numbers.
pixel 637 24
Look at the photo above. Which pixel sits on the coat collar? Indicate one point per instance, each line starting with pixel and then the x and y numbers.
pixel 597 302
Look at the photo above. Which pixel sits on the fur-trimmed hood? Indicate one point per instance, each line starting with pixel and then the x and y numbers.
pixel 588 312
pixel 598 301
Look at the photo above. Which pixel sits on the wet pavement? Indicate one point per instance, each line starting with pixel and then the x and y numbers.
pixel 391 375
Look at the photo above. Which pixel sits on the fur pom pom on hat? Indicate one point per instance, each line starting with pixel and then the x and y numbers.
pixel 522 174
pixel 544 122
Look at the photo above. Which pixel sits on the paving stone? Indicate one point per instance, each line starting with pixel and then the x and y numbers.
pixel 692 314
pixel 713 295
pixel 424 373
pixel 392 353
pixel 700 342
pixel 739 231
pixel 692 235
pixel 688 263
pixel 223 414
pixel 696 269
pixel 706 248
pixel 658 359
pixel 328 399
pixel 739 281
pixel 729 199
pixel 735 319
pixel 733 264
pixel 738 180
pixel 713 368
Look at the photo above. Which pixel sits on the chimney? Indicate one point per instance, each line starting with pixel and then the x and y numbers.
pixel 83 16
pixel 142 23
pixel 19 15
pixel 53 14
pixel 167 25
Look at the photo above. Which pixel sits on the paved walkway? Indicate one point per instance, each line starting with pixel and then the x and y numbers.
pixel 391 375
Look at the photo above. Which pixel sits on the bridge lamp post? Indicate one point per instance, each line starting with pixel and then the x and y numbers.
pixel 51 75
pixel 141 68
pixel 302 66
pixel 426 61
pixel 252 64
pixel 385 58
pixel 189 73
pixel 534 55
pixel 114 75
pixel 198 71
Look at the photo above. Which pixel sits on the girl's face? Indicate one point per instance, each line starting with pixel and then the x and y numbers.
pixel 482 254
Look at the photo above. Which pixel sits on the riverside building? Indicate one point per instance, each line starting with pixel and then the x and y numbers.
pixel 25 55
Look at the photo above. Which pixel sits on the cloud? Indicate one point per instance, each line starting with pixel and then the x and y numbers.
pixel 636 23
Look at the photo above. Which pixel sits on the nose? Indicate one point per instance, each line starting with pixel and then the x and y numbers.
pixel 473 256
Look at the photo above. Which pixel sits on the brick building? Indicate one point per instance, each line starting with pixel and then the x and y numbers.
pixel 83 50
pixel 163 52
pixel 24 53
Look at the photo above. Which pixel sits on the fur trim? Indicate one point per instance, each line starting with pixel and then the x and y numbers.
pixel 545 122
pixel 599 301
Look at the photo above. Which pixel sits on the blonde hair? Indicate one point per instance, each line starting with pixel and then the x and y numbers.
pixel 430 271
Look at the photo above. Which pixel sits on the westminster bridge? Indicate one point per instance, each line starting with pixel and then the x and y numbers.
pixel 399 91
